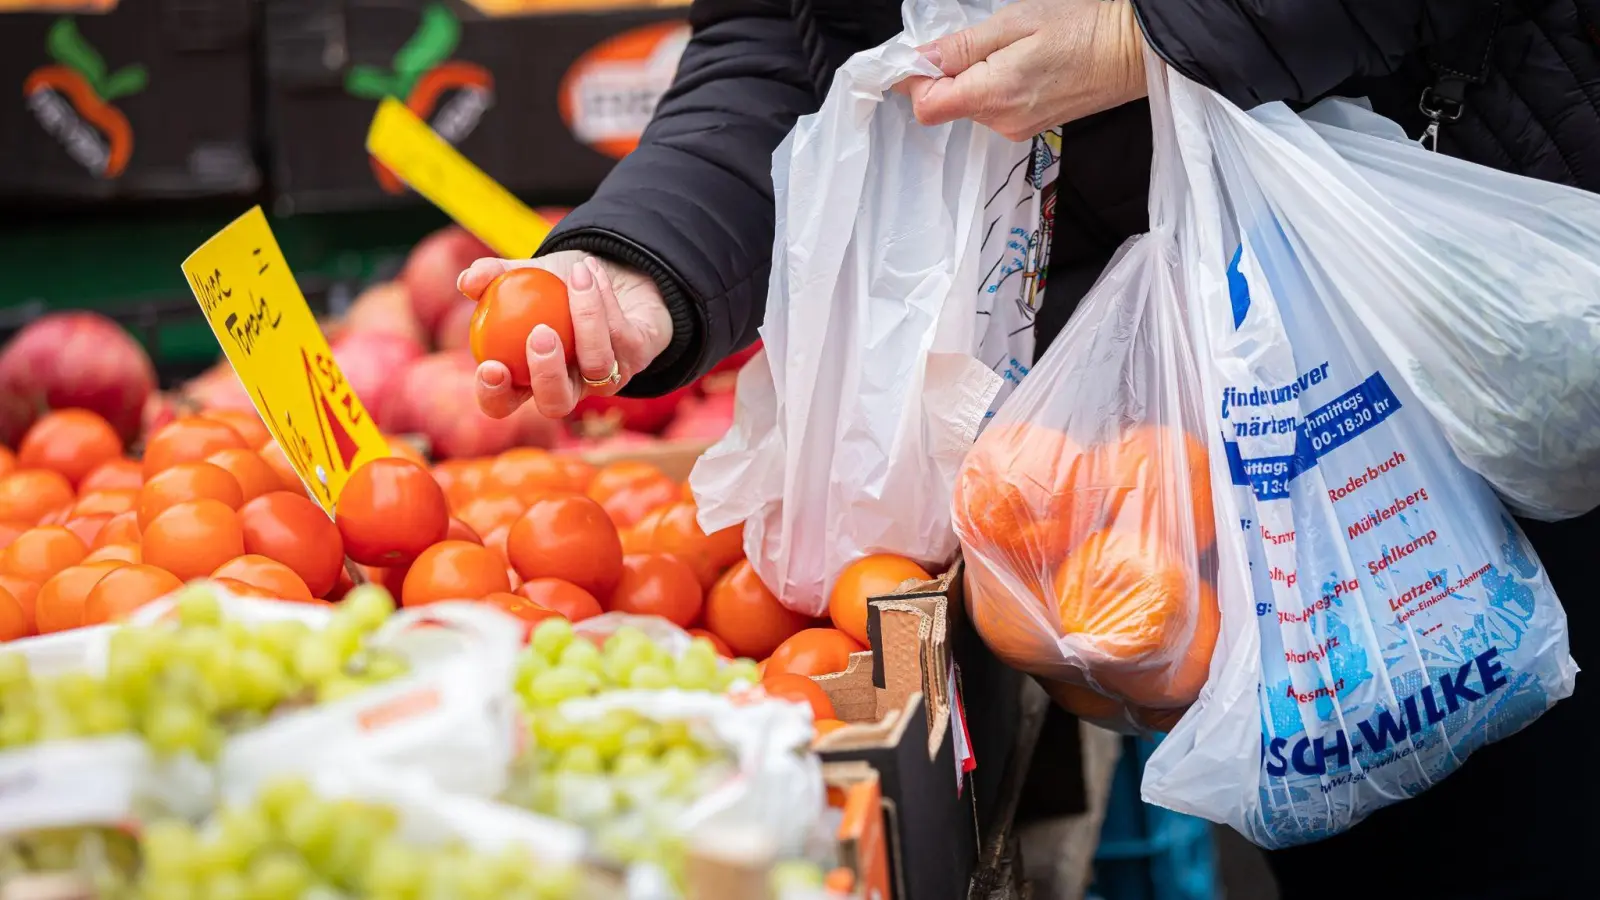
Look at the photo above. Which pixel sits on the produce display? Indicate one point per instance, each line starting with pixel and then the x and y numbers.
pixel 136 529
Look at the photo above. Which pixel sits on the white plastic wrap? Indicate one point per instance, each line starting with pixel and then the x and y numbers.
pixel 907 266
pixel 452 716
pixel 778 788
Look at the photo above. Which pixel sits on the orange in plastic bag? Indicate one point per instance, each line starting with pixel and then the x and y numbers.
pixel 1089 566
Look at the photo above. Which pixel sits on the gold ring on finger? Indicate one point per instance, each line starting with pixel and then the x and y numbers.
pixel 612 380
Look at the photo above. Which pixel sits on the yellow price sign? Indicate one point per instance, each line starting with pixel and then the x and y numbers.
pixel 254 306
pixel 421 158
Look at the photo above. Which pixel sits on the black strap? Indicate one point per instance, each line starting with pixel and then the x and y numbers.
pixel 1458 64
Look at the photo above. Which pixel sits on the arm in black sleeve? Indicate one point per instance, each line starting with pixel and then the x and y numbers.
pixel 1259 51
pixel 692 207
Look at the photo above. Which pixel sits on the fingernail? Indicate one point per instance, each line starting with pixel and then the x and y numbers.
pixel 543 340
pixel 594 267
pixel 582 278
pixel 460 278
pixel 494 377
pixel 930 52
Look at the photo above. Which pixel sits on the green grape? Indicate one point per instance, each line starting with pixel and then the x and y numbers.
pixel 317 659
pixel 634 764
pixel 368 605
pixel 280 639
pixel 309 827
pixel 171 727
pixel 279 874
pixel 384 666
pixel 226 886
pixel 581 655
pixel 198 605
pixel 13 670
pixel 583 759
pixel 650 677
pixel 695 671
pixel 554 686
pixel 551 636
pixel 745 670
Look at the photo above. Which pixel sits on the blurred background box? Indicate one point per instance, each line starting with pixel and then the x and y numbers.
pixel 125 101
pixel 543 97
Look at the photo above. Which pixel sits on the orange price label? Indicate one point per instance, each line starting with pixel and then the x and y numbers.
pixel 256 309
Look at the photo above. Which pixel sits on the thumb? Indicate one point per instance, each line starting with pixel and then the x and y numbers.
pixel 956 53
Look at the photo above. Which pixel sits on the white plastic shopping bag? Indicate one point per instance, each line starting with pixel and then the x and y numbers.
pixel 907 266
pixel 1482 288
pixel 1382 615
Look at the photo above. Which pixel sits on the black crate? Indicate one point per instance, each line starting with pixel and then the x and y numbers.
pixel 502 89
pixel 149 100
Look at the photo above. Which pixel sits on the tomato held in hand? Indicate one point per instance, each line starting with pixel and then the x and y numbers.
pixel 390 511
pixel 655 584
pixel 510 308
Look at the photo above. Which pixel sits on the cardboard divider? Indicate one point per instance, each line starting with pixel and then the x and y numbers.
pixel 902 719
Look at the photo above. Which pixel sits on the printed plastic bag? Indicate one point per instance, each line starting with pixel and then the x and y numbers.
pixel 907 265
pixel 1084 510
pixel 1481 287
pixel 1382 615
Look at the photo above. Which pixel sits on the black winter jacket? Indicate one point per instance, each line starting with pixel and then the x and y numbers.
pixel 693 207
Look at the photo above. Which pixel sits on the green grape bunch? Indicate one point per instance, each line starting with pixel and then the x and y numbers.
pixel 559 665
pixel 290 843
pixel 186 683
pixel 101 862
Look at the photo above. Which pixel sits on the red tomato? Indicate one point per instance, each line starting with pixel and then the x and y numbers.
pixel 563 597
pixel 567 537
pixel 454 570
pixel 294 531
pixel 510 308
pixel 814 651
pixel 655 584
pixel 390 511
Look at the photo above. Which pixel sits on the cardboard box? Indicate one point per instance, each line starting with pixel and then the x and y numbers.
pixel 544 102
pixel 126 100
pixel 928 696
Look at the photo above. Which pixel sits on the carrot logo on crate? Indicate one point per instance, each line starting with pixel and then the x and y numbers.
pixel 449 94
pixel 72 99
pixel 608 96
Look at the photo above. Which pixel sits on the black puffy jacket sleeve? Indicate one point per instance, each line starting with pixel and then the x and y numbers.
pixel 693 205
pixel 1259 51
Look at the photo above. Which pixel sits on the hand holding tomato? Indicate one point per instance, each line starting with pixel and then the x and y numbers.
pixel 618 317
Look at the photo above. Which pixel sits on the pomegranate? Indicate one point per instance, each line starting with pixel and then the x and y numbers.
pixel 702 418
pixel 644 414
pixel 160 410
pixel 455 329
pixel 552 214
pixel 74 359
pixel 370 361
pixel 385 308
pixel 218 388
pixel 432 269
pixel 433 397
pixel 534 430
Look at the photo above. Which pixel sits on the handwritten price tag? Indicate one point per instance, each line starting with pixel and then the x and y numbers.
pixel 254 306
pixel 436 170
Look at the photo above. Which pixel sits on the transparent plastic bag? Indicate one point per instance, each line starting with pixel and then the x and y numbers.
pixel 1480 286
pixel 1084 509
pixel 1382 615
pixel 907 265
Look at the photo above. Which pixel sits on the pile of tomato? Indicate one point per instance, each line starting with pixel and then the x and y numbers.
pixel 88 534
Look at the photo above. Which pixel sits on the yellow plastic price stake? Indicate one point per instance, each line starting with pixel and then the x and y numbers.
pixel 252 302
pixel 436 170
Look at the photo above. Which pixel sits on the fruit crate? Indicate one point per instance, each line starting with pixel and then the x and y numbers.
pixel 1146 852
pixel 125 265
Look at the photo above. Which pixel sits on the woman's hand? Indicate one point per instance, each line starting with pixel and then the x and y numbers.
pixel 618 318
pixel 1033 65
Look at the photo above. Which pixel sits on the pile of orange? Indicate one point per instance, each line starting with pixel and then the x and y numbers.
pixel 1091 565
pixel 88 534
